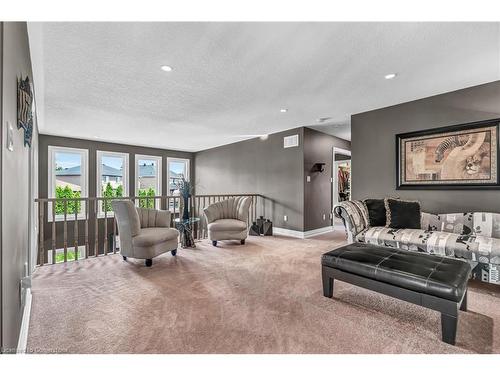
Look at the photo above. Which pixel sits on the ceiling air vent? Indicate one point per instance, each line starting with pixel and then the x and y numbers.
pixel 291 141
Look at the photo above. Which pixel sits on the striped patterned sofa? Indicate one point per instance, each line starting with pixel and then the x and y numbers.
pixel 472 236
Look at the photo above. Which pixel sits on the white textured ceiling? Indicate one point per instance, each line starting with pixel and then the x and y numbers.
pixel 103 80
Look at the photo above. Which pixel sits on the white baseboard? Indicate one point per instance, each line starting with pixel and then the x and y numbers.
pixel 23 333
pixel 302 235
pixel 316 232
pixel 288 232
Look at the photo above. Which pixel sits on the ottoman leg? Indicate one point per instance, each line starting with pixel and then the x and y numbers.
pixel 463 305
pixel 448 328
pixel 327 283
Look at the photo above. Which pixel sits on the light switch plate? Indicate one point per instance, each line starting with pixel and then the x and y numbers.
pixel 10 137
pixel 285 218
pixel 308 178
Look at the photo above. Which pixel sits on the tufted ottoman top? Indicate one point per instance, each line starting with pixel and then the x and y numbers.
pixel 430 274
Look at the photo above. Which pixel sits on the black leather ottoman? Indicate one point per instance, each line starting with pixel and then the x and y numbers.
pixel 435 282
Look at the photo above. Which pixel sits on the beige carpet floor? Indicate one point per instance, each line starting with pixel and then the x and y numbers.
pixel 264 297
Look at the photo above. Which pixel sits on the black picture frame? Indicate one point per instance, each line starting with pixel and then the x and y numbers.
pixel 400 185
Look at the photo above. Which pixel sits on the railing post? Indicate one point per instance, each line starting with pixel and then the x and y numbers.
pixel 105 252
pixel 41 259
pixel 54 244
pixel 96 234
pixel 75 229
pixel 65 232
pixel 114 234
pixel 87 247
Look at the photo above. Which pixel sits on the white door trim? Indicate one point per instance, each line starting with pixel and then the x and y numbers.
pixel 342 151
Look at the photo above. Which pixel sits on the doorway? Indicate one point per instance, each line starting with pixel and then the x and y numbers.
pixel 341 178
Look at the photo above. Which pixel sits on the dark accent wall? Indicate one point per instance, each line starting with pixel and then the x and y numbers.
pixel 93 147
pixel 258 166
pixel 17 181
pixel 374 146
pixel 318 194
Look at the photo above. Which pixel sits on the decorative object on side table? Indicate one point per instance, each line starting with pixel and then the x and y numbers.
pixel 267 228
pixel 185 189
pixel 185 227
pixel 460 156
pixel 254 229
pixel 261 227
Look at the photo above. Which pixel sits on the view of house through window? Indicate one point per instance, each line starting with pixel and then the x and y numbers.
pixel 112 177
pixel 148 179
pixel 177 170
pixel 67 178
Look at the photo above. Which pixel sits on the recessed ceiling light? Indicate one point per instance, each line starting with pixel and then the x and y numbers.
pixel 166 68
pixel 283 110
pixel 390 76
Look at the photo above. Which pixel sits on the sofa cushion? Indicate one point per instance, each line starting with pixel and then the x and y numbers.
pixel 153 236
pixel 227 225
pixel 486 224
pixel 430 221
pixel 460 223
pixel 475 248
pixel 376 212
pixel 402 214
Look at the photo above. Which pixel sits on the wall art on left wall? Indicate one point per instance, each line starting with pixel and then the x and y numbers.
pixel 25 108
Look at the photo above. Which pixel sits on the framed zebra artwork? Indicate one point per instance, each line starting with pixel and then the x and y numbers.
pixel 454 157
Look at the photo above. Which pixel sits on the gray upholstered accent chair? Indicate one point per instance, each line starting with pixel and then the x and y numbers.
pixel 144 233
pixel 228 219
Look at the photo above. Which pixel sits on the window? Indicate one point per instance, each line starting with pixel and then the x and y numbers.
pixel 177 170
pixel 112 178
pixel 68 178
pixel 147 179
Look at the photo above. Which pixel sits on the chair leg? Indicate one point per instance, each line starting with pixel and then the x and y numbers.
pixel 124 257
pixel 448 328
pixel 463 305
pixel 327 284
pixel 242 242
pixel 149 262
pixel 214 243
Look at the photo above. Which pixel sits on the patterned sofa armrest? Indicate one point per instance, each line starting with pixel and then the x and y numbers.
pixel 354 216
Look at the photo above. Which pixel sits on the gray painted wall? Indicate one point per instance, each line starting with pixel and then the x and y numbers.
pixel 374 149
pixel 318 148
pixel 279 174
pixel 16 200
pixel 258 166
pixel 93 147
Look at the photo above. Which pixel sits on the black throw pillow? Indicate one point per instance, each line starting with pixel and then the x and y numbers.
pixel 402 214
pixel 376 212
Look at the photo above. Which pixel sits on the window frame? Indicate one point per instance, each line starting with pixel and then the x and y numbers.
pixel 179 160
pixel 84 173
pixel 159 171
pixel 125 177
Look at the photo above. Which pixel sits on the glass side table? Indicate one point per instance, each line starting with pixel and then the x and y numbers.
pixel 185 228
